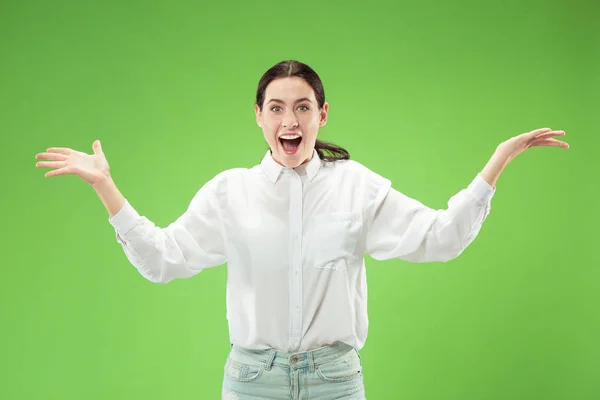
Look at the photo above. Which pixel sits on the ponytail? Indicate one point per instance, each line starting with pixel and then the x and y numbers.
pixel 336 152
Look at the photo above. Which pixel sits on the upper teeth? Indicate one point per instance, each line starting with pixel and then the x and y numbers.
pixel 290 136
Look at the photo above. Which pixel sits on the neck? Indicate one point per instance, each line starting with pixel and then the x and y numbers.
pixel 303 162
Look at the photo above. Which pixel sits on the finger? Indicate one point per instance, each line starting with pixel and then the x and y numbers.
pixel 51 164
pixel 551 142
pixel 536 132
pixel 97 146
pixel 51 156
pixel 550 134
pixel 60 150
pixel 56 172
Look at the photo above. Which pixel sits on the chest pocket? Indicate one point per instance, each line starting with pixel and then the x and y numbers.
pixel 334 240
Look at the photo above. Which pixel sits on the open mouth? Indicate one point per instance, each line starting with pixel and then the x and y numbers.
pixel 290 146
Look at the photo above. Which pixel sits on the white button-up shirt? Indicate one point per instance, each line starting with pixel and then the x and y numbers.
pixel 294 241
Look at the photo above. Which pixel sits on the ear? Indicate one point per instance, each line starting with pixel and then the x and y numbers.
pixel 323 116
pixel 258 115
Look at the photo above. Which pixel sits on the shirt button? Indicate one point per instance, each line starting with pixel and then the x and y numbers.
pixel 297 307
pixel 296 273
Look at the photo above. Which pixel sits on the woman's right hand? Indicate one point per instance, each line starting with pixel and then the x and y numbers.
pixel 92 168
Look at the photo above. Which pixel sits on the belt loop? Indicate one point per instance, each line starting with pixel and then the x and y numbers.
pixel 311 361
pixel 269 363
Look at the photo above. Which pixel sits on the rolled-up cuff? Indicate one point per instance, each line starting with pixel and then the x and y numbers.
pixel 125 219
pixel 480 190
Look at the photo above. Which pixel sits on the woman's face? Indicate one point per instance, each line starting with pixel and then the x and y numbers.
pixel 290 120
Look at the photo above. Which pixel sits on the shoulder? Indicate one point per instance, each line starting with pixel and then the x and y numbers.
pixel 230 174
pixel 365 183
pixel 356 171
pixel 228 177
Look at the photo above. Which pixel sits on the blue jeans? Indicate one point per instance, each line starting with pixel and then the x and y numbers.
pixel 331 372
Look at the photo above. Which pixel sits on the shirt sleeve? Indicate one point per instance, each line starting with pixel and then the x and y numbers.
pixel 406 229
pixel 182 249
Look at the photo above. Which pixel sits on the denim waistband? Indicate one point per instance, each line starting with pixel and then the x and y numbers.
pixel 310 359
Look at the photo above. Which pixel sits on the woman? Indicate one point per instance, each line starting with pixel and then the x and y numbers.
pixel 294 231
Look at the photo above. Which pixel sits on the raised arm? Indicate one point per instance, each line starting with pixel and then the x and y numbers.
pixel 406 229
pixel 182 249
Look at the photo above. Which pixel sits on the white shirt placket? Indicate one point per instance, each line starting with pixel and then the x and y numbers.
pixel 295 264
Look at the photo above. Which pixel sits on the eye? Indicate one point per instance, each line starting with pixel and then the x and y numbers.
pixel 272 108
pixel 304 107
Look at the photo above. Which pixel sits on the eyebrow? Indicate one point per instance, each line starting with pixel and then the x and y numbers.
pixel 297 101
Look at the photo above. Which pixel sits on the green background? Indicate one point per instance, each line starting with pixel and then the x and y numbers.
pixel 420 92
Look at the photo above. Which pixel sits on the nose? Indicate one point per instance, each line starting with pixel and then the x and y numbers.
pixel 289 120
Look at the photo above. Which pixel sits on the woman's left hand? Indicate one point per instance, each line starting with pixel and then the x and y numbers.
pixel 514 146
pixel 539 137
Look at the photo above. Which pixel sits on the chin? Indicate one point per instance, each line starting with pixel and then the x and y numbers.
pixel 291 163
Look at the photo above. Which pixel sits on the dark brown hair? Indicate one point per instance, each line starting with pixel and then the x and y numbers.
pixel 289 68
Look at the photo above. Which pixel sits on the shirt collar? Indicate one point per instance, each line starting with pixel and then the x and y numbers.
pixel 272 169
